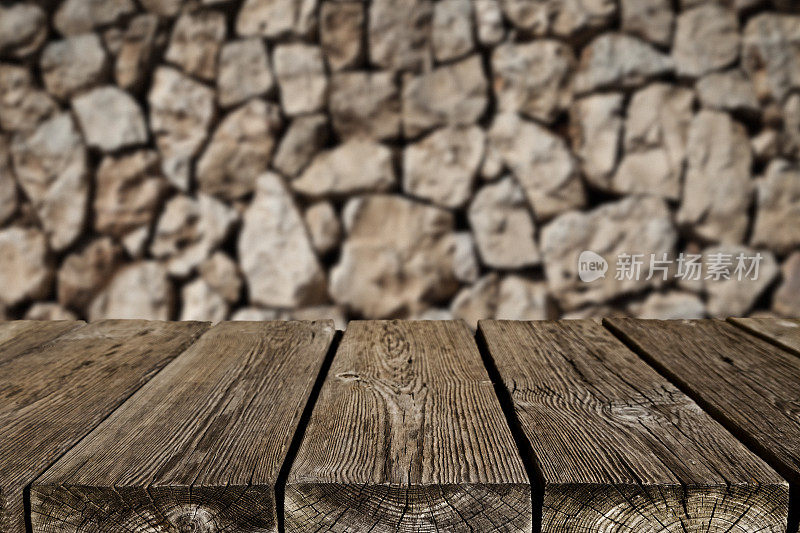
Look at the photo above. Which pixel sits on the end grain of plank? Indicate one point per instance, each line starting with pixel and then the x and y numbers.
pixel 782 332
pixel 618 448
pixel 200 447
pixel 408 435
pixel 52 395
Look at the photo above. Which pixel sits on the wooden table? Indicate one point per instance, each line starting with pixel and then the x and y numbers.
pixel 572 426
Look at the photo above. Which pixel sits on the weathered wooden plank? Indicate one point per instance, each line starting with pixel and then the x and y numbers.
pixel 618 448
pixel 54 394
pixel 19 336
pixel 781 332
pixel 749 385
pixel 408 435
pixel 200 447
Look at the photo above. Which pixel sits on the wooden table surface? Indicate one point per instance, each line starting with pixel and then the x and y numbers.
pixel 572 426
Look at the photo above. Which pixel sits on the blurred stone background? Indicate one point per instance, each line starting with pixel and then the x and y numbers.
pixel 259 159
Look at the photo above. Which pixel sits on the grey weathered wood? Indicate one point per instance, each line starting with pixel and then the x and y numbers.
pixel 618 447
pixel 748 384
pixel 53 394
pixel 19 336
pixel 782 332
pixel 408 435
pixel 200 447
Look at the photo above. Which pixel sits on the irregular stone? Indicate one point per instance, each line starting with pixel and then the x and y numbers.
pixel 301 77
pixel 706 39
pixel 323 226
pixel 442 166
pixel 790 140
pixel 85 273
pixel 8 184
pixel 771 54
pixel 656 132
pixel 734 296
pixel 275 253
pixel 398 259
pixel 454 94
pixel 541 162
pixel 672 305
pixel 196 39
pixel 618 61
pixel 141 290
pixel 127 193
pixel 651 20
pixel 476 302
pixel 221 274
pixel 520 298
pixel 563 18
pixel 765 144
pixel 786 301
pixel 596 130
pixel 304 138
pixel 465 261
pixel 777 223
pixel 451 35
pixel 135 242
pixel 277 18
pixel 365 104
pixel 82 16
pixel 48 311
pixel 199 302
pixel 434 313
pixel 244 72
pixel 189 230
pixel 50 165
pixel 634 225
pixel 181 111
pixel 136 51
pixel 239 150
pixel 400 34
pixel 718 189
pixel 73 64
pixel 110 119
pixel 489 22
pixel 728 91
pixel 164 8
pixel 25 273
pixel 22 106
pixel 502 225
pixel 533 78
pixel 23 29
pixel 493 164
pixel 341 33
pixel 255 314
pixel 358 165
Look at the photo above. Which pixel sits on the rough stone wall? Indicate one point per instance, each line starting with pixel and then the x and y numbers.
pixel 394 158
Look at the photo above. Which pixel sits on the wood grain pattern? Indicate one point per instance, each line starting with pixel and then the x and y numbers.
pixel 782 332
pixel 200 447
pixel 54 394
pixel 19 336
pixel 749 385
pixel 408 435
pixel 618 448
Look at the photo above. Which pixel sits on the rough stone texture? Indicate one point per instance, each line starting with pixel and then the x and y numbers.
pixel 454 94
pixel 735 297
pixel 541 162
pixel 503 227
pixel 718 189
pixel 706 39
pixel 73 64
pixel 356 166
pixel 635 225
pixel 24 270
pixel 365 104
pixel 533 79
pixel 275 253
pixel 140 290
pixel 110 119
pixel 239 151
pixel 410 151
pixel 777 222
pixel 442 167
pixel 301 77
pixel 181 111
pixel 50 164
